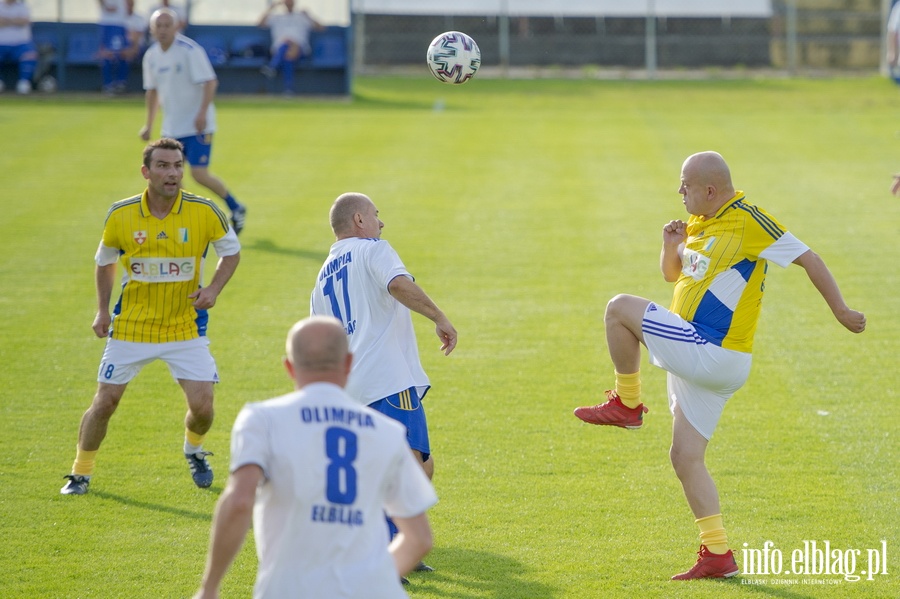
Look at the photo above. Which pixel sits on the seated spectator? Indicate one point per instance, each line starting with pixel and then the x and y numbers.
pixel 116 60
pixel 136 27
pixel 290 40
pixel 16 43
pixel 113 40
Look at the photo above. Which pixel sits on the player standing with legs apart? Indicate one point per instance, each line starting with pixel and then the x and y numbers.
pixel 179 78
pixel 316 471
pixel 365 285
pixel 161 238
pixel 718 261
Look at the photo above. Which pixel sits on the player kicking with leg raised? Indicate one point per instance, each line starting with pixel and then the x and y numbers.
pixel 718 262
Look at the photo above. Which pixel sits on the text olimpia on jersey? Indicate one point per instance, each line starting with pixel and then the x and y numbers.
pixel 332 468
pixel 352 286
pixel 723 273
pixel 163 265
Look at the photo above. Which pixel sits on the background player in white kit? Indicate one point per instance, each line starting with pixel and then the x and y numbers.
pixel 322 470
pixel 365 285
pixel 179 78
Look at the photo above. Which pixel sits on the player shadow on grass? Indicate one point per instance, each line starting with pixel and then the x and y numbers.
pixel 267 245
pixel 155 507
pixel 393 103
pixel 765 590
pixel 467 573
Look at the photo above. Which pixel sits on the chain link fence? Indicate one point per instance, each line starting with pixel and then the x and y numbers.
pixel 792 35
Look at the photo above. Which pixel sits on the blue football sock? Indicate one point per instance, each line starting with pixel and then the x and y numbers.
pixel 233 204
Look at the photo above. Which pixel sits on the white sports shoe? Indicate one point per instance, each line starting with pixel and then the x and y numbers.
pixel 23 86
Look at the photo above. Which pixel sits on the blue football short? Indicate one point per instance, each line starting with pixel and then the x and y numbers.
pixel 197 149
pixel 406 407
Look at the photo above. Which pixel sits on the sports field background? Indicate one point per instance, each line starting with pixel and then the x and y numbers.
pixel 521 207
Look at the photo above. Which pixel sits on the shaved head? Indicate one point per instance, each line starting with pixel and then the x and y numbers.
pixel 705 183
pixel 355 215
pixel 163 13
pixel 317 344
pixel 344 208
pixel 709 168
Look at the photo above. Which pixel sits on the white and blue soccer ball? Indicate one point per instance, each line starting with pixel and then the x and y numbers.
pixel 453 57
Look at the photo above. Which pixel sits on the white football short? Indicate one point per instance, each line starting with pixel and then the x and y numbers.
pixel 701 375
pixel 189 360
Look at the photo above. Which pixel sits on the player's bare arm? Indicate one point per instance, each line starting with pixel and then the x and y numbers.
pixel 824 282
pixel 151 100
pixel 205 297
pixel 209 92
pixel 234 512
pixel 674 235
pixel 413 542
pixel 105 278
pixel 405 291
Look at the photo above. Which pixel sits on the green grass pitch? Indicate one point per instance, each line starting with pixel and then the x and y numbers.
pixel 522 207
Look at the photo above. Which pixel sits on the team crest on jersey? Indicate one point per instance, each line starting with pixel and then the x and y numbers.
pixel 695 264
pixel 140 237
pixel 183 235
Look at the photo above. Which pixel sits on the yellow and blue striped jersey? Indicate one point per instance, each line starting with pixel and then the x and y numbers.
pixel 723 273
pixel 163 263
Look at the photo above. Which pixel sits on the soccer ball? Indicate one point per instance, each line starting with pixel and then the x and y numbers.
pixel 453 57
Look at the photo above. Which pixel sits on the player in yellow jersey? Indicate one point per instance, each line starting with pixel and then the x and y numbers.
pixel 161 238
pixel 718 261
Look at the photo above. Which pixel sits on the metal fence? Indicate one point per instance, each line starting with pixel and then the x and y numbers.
pixel 649 35
pixel 797 35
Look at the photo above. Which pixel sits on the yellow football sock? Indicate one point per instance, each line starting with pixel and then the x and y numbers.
pixel 628 387
pixel 192 441
pixel 712 533
pixel 84 462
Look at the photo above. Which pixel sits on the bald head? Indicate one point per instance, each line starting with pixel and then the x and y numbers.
pixel 317 350
pixel 164 27
pixel 355 215
pixel 709 168
pixel 344 208
pixel 705 183
pixel 166 14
